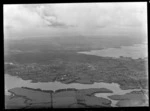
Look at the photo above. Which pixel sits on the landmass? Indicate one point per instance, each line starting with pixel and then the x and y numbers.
pixel 26 98
pixel 57 59
pixel 70 67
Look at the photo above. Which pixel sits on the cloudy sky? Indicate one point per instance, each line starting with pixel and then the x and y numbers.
pixel 86 19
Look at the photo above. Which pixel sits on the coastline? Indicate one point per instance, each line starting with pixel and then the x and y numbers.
pixel 122 87
pixel 72 94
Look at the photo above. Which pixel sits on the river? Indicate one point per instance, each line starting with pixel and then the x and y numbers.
pixel 135 51
pixel 13 82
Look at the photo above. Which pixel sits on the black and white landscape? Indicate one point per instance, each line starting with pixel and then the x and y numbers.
pixel 76 55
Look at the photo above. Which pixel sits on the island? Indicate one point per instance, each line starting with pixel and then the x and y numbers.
pixel 28 98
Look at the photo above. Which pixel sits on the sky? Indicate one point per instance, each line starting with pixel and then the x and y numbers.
pixel 71 19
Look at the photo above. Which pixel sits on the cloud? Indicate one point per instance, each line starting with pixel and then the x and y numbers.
pixel 52 21
pixel 24 16
pixel 59 25
pixel 85 18
pixel 19 18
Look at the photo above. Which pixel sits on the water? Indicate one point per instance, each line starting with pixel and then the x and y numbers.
pixel 136 51
pixel 13 81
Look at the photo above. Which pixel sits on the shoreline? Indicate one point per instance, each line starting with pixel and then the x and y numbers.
pixel 87 94
pixel 74 82
pixel 87 52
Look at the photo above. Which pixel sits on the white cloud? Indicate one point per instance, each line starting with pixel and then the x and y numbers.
pixel 85 18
